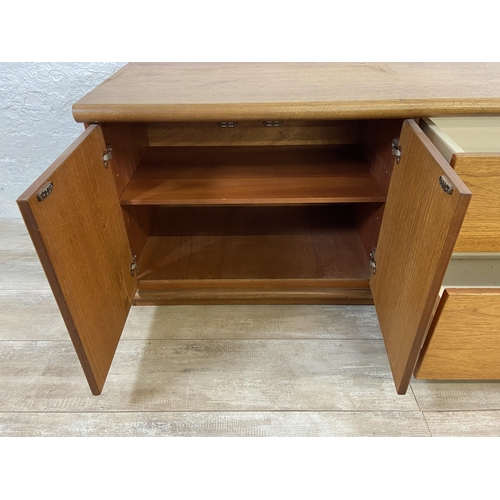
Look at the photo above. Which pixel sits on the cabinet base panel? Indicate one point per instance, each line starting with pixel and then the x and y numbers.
pixel 250 292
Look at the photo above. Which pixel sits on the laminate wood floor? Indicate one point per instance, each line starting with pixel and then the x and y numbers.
pixel 215 371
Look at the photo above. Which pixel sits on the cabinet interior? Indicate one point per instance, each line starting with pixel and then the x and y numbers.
pixel 255 212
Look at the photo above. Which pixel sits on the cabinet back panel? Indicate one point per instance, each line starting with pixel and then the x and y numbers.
pixel 254 133
pixel 254 243
pixel 265 175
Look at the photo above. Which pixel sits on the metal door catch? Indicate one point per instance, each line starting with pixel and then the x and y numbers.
pixel 273 123
pixel 43 193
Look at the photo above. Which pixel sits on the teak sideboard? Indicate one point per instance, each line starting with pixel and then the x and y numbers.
pixel 283 184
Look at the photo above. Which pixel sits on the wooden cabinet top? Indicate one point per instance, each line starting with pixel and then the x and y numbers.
pixel 142 92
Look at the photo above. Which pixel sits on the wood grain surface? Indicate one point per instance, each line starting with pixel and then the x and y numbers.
pixel 376 141
pixel 204 292
pixel 254 133
pixel 255 251
pixel 283 91
pixel 251 175
pixel 463 342
pixel 81 240
pixel 481 228
pixel 419 229
pixel 129 143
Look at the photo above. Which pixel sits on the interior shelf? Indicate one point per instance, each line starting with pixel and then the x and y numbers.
pixel 270 175
pixel 281 254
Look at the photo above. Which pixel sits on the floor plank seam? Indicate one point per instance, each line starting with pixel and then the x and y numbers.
pixel 200 411
pixel 146 339
pixel 421 412
pixel 475 410
pixel 415 397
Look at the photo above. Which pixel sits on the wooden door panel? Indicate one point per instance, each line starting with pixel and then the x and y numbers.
pixel 419 230
pixel 79 234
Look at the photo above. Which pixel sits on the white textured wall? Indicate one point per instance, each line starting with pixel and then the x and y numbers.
pixel 36 124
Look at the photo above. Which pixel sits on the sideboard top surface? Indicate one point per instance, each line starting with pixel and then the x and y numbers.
pixel 142 92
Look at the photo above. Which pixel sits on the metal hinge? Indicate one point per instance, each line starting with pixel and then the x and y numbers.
pixel 133 265
pixel 45 191
pixel 107 155
pixel 396 150
pixel 227 124
pixel 373 263
pixel 272 123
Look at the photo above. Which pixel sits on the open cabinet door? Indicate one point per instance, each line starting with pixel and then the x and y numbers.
pixel 74 218
pixel 425 207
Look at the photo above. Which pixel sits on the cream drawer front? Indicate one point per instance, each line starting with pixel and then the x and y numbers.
pixel 463 342
pixel 472 147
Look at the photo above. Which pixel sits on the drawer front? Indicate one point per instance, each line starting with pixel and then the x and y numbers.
pixel 472 147
pixel 481 228
pixel 463 342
